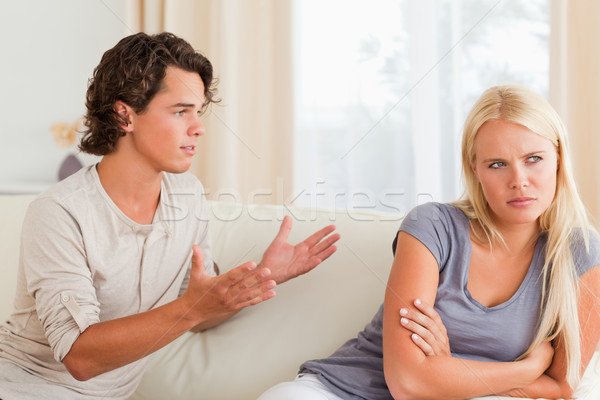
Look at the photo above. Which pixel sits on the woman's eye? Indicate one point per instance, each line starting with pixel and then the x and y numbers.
pixel 534 159
pixel 496 164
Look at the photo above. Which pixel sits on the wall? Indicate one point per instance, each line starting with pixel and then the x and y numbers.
pixel 49 50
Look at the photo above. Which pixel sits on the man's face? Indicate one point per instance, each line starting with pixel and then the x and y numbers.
pixel 163 136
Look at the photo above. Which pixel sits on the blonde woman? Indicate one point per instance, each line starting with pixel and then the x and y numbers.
pixel 494 294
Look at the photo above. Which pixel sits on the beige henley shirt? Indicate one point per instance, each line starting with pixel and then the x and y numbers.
pixel 83 261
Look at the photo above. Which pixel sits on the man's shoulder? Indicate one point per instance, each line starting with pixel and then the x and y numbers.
pixel 79 183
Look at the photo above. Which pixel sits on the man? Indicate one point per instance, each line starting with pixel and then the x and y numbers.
pixel 105 276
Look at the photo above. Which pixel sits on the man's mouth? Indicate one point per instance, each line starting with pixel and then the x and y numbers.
pixel 189 149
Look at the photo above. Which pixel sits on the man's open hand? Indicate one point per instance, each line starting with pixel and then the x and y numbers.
pixel 217 297
pixel 286 261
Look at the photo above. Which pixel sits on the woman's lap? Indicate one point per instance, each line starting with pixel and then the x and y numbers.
pixel 304 387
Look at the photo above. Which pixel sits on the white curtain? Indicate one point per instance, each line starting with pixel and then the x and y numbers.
pixel 247 152
pixel 394 82
pixel 575 89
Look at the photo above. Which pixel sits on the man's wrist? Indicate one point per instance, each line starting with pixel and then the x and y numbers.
pixel 186 311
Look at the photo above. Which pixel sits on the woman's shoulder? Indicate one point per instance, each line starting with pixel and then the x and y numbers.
pixel 436 225
pixel 585 249
pixel 433 213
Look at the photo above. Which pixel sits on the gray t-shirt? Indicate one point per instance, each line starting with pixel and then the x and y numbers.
pixel 476 332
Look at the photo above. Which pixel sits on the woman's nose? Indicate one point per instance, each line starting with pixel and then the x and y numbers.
pixel 519 178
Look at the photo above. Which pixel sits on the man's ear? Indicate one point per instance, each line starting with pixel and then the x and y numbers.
pixel 125 112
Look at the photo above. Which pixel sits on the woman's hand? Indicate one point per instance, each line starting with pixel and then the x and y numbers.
pixel 428 330
pixel 540 358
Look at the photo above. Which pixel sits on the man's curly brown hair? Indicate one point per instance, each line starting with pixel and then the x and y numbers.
pixel 133 72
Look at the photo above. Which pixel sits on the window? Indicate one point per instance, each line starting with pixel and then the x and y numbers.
pixel 383 88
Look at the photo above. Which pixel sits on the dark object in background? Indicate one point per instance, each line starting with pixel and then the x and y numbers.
pixel 69 166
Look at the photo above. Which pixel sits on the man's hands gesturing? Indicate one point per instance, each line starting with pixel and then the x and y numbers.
pixel 212 299
pixel 286 261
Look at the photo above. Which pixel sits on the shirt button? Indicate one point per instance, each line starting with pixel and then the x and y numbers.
pixel 65 298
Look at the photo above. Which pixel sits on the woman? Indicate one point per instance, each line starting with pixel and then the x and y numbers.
pixel 511 272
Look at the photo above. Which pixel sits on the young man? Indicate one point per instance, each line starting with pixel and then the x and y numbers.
pixel 115 260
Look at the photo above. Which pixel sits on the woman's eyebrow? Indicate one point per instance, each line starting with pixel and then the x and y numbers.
pixel 531 153
pixel 534 153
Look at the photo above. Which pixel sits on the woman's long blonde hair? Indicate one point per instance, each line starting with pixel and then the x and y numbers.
pixel 565 217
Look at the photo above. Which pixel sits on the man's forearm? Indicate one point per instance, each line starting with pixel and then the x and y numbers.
pixel 212 322
pixel 108 345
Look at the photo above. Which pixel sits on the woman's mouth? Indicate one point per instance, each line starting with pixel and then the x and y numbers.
pixel 521 201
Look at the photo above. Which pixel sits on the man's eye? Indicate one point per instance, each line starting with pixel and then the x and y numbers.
pixel 180 112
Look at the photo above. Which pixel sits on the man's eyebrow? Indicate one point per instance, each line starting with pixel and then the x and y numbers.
pixel 183 105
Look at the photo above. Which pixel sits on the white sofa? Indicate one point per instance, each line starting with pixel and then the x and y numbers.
pixel 263 345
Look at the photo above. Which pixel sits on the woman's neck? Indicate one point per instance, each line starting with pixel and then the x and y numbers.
pixel 518 238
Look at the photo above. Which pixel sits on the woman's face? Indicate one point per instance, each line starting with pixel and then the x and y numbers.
pixel 517 171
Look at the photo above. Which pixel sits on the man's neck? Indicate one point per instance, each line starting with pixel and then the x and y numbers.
pixel 135 191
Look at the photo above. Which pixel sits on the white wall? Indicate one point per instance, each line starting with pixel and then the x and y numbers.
pixel 48 51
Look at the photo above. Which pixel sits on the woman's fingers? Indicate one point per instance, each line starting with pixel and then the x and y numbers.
pixel 424 333
pixel 430 312
pixel 422 344
pixel 428 328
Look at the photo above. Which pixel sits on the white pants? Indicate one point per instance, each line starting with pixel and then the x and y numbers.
pixel 304 387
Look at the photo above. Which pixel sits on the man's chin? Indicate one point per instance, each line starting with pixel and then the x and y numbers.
pixel 179 169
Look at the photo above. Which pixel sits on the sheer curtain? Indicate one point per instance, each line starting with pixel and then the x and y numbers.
pixel 383 92
pixel 575 89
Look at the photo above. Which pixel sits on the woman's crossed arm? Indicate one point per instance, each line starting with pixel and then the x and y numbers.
pixel 412 374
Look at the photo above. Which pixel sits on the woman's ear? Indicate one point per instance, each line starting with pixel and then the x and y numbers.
pixel 475 172
pixel 124 112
